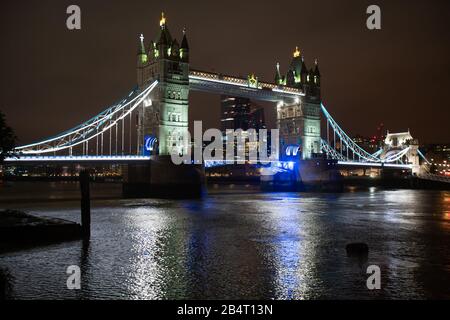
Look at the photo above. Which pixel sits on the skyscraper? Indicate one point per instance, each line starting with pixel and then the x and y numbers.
pixel 239 113
pixel 235 113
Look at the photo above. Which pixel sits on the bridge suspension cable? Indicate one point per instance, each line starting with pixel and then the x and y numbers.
pixel 94 128
pixel 349 150
pixel 345 140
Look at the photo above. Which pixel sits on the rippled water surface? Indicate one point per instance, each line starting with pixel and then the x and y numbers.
pixel 245 245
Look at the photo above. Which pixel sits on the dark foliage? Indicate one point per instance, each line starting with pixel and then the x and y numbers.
pixel 7 138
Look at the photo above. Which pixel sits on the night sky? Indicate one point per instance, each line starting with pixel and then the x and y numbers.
pixel 53 79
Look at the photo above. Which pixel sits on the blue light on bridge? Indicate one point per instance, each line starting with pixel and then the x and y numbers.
pixel 149 145
pixel 292 150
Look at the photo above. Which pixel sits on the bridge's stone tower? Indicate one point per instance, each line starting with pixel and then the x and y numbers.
pixel 165 116
pixel 396 142
pixel 299 121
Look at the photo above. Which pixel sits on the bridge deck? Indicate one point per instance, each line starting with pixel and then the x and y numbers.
pixel 75 159
pixel 134 158
pixel 232 86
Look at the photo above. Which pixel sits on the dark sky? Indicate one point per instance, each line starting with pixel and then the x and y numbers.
pixel 53 79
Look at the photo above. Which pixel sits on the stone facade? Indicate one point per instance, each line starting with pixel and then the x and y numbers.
pixel 165 114
pixel 299 121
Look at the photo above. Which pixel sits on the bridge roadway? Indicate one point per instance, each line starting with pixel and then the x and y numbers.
pixel 113 159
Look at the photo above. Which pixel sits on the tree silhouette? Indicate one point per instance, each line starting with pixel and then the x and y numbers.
pixel 7 138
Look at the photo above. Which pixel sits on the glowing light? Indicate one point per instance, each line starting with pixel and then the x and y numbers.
pixel 296 52
pixel 376 164
pixel 252 81
pixel 162 22
pixel 77 158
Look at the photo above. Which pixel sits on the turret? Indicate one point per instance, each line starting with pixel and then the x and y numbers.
pixel 278 78
pixel 304 72
pixel 293 74
pixel 312 85
pixel 184 50
pixel 142 57
pixel 164 42
pixel 297 70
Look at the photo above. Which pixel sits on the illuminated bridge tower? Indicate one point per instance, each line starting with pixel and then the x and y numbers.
pixel 163 122
pixel 165 115
pixel 299 121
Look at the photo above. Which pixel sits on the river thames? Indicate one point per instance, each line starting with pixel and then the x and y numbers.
pixel 236 243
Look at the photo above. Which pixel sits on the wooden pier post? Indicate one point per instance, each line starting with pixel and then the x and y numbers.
pixel 85 204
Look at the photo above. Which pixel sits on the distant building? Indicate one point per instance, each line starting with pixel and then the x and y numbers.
pixel 371 145
pixel 439 156
pixel 239 113
pixel 440 152
pixel 235 113
pixel 257 119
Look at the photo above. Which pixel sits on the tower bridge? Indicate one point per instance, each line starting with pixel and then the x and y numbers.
pixel 160 103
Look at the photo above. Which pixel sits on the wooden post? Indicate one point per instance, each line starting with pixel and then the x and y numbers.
pixel 85 204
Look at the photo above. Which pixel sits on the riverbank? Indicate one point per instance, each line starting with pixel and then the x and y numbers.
pixel 21 230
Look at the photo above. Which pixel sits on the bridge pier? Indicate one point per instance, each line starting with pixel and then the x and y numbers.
pixel 307 175
pixel 160 178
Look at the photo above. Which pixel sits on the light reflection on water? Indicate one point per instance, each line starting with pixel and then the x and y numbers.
pixel 251 245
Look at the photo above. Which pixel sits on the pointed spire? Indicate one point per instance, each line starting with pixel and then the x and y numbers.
pixel 142 55
pixel 278 79
pixel 296 53
pixel 151 47
pixel 141 44
pixel 316 68
pixel 304 70
pixel 162 39
pixel 184 49
pixel 184 42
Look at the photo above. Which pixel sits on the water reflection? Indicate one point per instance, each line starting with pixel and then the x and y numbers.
pixel 251 246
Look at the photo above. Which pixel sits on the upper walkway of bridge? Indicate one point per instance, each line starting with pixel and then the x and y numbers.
pixel 242 87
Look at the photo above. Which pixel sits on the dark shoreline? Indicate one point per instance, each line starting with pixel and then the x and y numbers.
pixel 19 230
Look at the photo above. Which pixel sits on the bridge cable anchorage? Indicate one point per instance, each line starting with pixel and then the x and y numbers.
pixel 346 142
pixel 90 129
